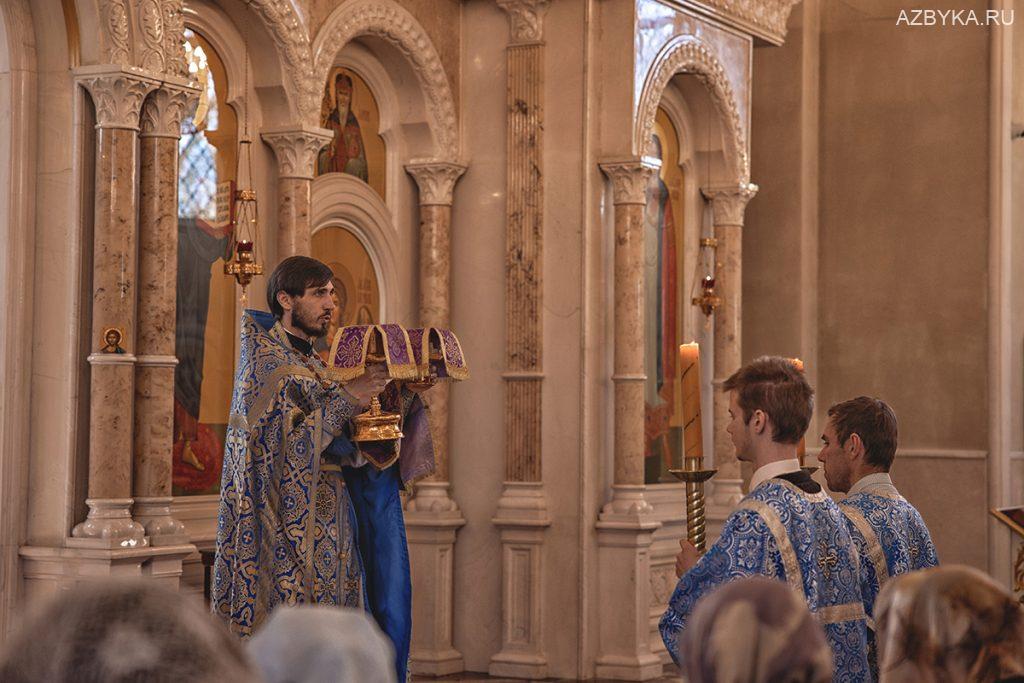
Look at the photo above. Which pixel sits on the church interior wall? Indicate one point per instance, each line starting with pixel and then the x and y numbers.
pixel 907 245
pixel 478 314
pixel 1017 256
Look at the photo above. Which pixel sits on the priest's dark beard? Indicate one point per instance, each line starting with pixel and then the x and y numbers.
pixel 309 324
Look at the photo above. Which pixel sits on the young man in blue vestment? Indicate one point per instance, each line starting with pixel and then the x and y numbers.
pixel 786 528
pixel 857 451
pixel 303 518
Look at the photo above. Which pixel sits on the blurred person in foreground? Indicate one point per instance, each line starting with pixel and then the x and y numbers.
pixel 310 644
pixel 857 452
pixel 949 624
pixel 754 630
pixel 125 631
pixel 786 528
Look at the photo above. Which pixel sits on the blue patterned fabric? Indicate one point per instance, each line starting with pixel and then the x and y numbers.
pixel 285 532
pixel 892 539
pixel 785 533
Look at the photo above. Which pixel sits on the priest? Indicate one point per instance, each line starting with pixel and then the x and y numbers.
pixel 858 447
pixel 287 528
pixel 786 528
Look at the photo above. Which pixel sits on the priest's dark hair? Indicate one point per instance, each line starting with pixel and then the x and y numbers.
pixel 874 422
pixel 776 386
pixel 293 276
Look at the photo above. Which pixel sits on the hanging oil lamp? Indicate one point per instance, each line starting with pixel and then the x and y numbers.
pixel 242 263
pixel 704 295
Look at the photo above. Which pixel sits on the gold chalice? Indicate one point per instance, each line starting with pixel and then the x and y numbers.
pixel 375 424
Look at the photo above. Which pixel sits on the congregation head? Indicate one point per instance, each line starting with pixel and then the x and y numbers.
pixel 121 631
pixel 754 630
pixel 293 276
pixel 774 389
pixel 946 624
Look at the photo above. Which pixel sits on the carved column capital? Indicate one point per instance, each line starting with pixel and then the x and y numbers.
pixel 164 109
pixel 436 180
pixel 296 148
pixel 117 92
pixel 629 178
pixel 525 19
pixel 729 202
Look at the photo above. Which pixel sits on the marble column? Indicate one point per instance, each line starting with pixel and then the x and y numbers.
pixel 728 204
pixel 626 526
pixel 522 513
pixel 296 148
pixel 162 114
pixel 431 516
pixel 118 94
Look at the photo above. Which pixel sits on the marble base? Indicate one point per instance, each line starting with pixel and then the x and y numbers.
pixel 47 570
pixel 432 519
pixel 723 495
pixel 108 525
pixel 522 517
pixel 154 514
pixel 625 532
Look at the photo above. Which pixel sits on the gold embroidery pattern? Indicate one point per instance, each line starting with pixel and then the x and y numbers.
pixel 875 552
pixel 828 559
pixel 835 614
pixel 789 560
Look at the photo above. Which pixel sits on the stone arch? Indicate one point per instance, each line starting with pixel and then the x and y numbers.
pixel 284 22
pixel 690 55
pixel 389 21
pixel 344 201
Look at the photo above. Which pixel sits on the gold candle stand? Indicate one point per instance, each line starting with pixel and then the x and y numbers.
pixel 696 522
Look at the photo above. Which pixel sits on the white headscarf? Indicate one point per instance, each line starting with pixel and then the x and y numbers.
pixel 308 644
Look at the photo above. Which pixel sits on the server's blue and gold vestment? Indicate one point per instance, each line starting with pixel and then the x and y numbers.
pixel 891 538
pixel 789 529
pixel 289 531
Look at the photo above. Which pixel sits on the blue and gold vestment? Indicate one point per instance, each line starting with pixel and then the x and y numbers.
pixel 285 532
pixel 891 538
pixel 782 531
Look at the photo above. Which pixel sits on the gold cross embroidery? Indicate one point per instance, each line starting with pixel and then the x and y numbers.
pixel 828 559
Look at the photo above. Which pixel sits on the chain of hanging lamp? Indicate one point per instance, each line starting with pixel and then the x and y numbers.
pixel 242 262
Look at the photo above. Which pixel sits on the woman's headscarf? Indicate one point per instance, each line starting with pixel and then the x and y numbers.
pixel 123 631
pixel 950 623
pixel 754 630
pixel 308 644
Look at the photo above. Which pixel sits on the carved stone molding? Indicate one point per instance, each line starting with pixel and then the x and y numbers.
pixel 290 34
pixel 629 178
pixel 728 203
pixel 765 18
pixel 296 148
pixel 115 18
pixel 117 93
pixel 151 36
pixel 390 21
pixel 435 179
pixel 686 54
pixel 164 109
pixel 174 39
pixel 525 19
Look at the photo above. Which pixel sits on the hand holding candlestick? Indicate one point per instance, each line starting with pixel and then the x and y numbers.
pixel 693 442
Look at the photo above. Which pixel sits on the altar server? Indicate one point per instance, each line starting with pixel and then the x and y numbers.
pixel 786 528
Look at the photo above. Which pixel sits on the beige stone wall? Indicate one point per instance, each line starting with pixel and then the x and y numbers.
pixel 903 238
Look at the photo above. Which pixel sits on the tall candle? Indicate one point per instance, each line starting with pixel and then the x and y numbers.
pixel 801 449
pixel 693 440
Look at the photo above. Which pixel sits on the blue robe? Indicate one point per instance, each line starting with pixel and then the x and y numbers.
pixel 891 539
pixel 782 531
pixel 285 529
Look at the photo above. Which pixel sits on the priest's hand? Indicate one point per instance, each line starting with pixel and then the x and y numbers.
pixel 420 387
pixel 368 385
pixel 686 558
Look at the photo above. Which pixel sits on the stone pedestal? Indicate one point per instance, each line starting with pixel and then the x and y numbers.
pixel 431 520
pixel 523 519
pixel 728 204
pixel 118 94
pixel 296 148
